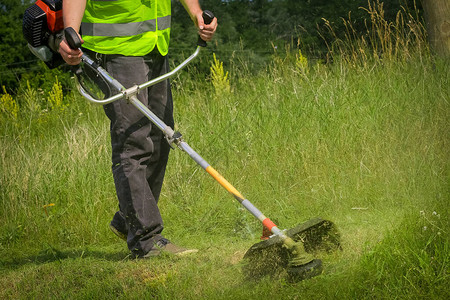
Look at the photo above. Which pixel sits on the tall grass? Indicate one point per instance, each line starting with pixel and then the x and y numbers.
pixel 362 141
pixel 383 40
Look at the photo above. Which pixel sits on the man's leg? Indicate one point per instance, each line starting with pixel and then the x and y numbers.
pixel 161 104
pixel 139 150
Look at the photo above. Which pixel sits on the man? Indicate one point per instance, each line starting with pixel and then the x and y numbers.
pixel 131 39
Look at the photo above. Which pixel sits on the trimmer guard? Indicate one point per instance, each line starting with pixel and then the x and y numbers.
pixel 271 257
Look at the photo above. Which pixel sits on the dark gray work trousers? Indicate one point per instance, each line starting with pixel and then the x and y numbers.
pixel 139 149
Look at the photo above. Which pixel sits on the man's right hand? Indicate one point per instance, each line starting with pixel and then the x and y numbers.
pixel 70 56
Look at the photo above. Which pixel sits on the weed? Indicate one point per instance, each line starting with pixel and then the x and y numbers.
pixel 55 96
pixel 8 106
pixel 32 99
pixel 219 78
pixel 301 62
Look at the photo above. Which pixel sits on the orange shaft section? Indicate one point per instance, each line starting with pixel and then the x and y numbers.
pixel 223 182
pixel 268 224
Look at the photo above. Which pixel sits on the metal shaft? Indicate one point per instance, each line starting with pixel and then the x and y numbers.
pixel 131 93
pixel 232 190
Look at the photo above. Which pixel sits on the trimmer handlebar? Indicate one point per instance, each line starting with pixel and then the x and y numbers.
pixel 127 93
pixel 74 41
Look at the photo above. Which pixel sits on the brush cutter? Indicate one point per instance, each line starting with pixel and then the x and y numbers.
pixel 286 249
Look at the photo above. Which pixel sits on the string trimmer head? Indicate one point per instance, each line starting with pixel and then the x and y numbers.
pixel 273 257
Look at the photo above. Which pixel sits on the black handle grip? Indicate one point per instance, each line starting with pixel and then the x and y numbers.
pixel 72 38
pixel 208 17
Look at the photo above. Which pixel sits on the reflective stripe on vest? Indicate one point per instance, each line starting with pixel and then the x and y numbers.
pixel 124 29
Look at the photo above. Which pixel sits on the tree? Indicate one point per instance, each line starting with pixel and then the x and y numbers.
pixel 437 18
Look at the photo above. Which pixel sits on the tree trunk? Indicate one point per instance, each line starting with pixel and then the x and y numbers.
pixel 437 18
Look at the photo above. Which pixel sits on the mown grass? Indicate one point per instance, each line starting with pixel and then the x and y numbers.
pixel 361 142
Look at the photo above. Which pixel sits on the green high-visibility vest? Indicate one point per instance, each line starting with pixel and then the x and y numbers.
pixel 127 27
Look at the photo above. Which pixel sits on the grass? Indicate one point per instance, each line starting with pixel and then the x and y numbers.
pixel 365 148
pixel 364 145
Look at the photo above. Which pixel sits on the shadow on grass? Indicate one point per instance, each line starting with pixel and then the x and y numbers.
pixel 51 254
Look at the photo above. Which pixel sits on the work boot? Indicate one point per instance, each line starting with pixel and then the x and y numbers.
pixel 118 226
pixel 165 246
pixel 117 232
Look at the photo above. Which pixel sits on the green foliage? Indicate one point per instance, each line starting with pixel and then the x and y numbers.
pixel 248 29
pixel 13 47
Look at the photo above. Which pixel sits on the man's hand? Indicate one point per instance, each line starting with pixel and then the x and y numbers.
pixel 206 32
pixel 73 11
pixel 70 56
